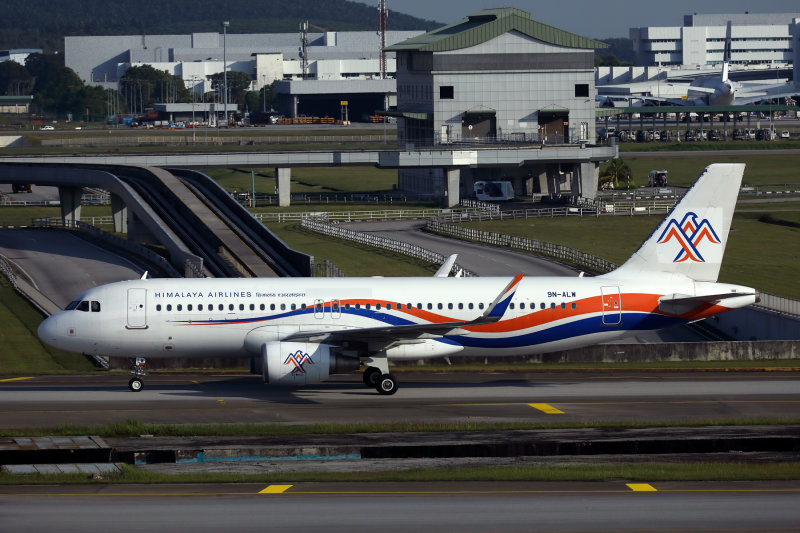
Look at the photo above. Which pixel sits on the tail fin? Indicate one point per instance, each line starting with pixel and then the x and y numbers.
pixel 691 240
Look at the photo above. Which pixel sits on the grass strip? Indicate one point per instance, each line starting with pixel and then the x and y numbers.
pixel 648 472
pixel 136 428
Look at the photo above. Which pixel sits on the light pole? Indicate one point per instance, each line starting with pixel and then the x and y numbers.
pixel 225 69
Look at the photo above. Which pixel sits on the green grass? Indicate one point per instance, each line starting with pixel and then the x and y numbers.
pixel 308 179
pixel 353 259
pixel 762 168
pixel 757 255
pixel 134 428
pixel 643 472
pixel 699 146
pixel 21 352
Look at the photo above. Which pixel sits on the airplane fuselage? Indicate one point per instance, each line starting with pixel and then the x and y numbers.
pixel 234 317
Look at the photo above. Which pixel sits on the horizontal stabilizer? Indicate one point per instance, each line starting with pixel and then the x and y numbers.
pixel 679 304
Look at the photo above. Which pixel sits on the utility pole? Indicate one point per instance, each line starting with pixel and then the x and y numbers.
pixel 225 68
pixel 382 32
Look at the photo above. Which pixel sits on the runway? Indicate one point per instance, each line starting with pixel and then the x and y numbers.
pixel 620 396
pixel 402 507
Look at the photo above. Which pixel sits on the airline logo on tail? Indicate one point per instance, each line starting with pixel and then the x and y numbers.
pixel 689 234
pixel 298 359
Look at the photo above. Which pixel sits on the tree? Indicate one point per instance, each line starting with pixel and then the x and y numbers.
pixel 144 86
pixel 14 79
pixel 615 173
pixel 238 84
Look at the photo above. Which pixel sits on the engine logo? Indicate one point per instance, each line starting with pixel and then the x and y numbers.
pixel 298 359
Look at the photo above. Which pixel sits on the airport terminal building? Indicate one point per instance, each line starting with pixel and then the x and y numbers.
pixel 756 38
pixel 337 64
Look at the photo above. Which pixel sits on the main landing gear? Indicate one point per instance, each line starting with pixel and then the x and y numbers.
pixel 136 384
pixel 384 383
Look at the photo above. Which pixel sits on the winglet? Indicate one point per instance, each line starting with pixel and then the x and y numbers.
pixel 447 266
pixel 498 307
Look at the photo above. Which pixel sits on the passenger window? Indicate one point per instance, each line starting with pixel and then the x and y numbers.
pixel 522 305
pixel 552 305
pixel 252 307
pixel 358 306
pixel 83 306
pixel 230 307
pixel 346 307
pixel 283 307
pixel 378 307
pixel 573 305
pixel 95 307
pixel 221 307
pixel 169 307
pixel 563 305
pixel 262 307
pixel 512 306
pixel 480 305
pixel 450 305
pixel 241 307
pixel 419 305
pixel 199 307
pixel 541 305
pixel 439 306
pixel 271 307
pixel 461 305
pixel 302 306
pixel 179 307
pixel 471 306
pixel 430 306
pixel 158 307
pixel 294 306
pixel 368 306
pixel 408 306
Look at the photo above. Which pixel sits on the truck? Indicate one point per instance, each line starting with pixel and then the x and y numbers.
pixel 657 178
pixel 494 191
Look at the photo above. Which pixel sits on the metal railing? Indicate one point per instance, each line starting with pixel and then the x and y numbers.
pixel 779 304
pixel 379 241
pixel 203 137
pixel 350 216
pixel 558 251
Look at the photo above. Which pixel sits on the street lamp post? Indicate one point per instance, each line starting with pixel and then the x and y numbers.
pixel 225 69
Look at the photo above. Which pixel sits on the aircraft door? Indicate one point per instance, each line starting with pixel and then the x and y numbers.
pixel 612 306
pixel 137 308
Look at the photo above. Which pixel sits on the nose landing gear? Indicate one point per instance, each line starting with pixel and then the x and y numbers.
pixel 136 384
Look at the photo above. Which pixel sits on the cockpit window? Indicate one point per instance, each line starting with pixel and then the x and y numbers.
pixel 72 305
pixel 83 306
pixel 95 307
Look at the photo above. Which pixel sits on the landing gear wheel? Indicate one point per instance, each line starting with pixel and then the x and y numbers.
pixel 371 376
pixel 135 384
pixel 386 385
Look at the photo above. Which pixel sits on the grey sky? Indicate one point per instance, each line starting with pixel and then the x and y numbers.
pixel 599 18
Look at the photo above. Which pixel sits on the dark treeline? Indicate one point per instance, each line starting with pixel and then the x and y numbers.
pixel 45 23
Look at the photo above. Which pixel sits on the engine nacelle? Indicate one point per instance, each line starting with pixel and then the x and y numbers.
pixel 301 363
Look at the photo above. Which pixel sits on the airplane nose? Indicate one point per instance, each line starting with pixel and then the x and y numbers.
pixel 48 330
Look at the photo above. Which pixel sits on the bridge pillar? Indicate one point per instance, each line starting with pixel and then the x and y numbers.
pixel 283 186
pixel 453 178
pixel 119 212
pixel 589 176
pixel 70 198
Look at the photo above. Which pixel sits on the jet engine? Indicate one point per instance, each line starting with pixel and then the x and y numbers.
pixel 301 363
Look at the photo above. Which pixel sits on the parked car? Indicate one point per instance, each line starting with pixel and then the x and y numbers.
pixel 784 134
pixel 46 127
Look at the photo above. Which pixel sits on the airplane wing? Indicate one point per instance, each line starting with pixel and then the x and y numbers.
pixel 409 332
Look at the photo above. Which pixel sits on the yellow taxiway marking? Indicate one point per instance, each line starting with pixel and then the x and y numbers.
pixel 546 408
pixel 14 379
pixel 221 401
pixel 641 487
pixel 275 489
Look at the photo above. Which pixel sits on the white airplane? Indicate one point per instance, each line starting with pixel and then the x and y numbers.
pixel 709 90
pixel 301 330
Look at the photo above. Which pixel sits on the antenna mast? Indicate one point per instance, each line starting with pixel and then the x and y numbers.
pixel 304 47
pixel 382 32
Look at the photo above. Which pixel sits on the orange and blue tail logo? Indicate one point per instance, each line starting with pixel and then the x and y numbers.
pixel 298 359
pixel 689 234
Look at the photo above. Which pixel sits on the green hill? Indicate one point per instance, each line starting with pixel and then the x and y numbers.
pixel 45 23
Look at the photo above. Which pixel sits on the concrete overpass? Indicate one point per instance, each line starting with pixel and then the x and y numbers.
pixel 577 164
